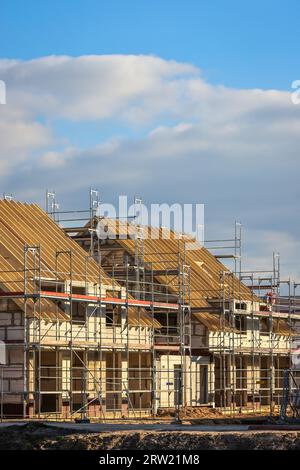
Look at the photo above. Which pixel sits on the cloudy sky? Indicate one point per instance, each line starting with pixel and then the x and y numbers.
pixel 187 102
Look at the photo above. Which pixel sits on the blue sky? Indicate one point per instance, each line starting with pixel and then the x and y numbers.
pixel 177 101
pixel 235 43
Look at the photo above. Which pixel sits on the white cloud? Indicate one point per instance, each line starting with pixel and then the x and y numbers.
pixel 190 141
pixel 132 88
pixel 260 247
pixel 95 87
pixel 18 140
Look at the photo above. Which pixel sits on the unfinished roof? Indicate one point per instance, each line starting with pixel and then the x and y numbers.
pixel 22 224
pixel 206 272
pixel 13 281
pixel 27 224
pixel 209 278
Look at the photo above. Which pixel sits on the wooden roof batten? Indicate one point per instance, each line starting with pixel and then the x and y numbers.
pixel 23 224
pixel 206 272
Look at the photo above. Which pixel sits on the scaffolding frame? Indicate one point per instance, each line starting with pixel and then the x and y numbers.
pixel 36 342
pixel 132 370
pixel 264 284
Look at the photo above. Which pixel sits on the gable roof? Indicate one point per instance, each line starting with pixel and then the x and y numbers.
pixel 205 270
pixel 27 224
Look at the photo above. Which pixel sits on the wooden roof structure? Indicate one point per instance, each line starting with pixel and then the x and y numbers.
pixel 27 224
pixel 209 278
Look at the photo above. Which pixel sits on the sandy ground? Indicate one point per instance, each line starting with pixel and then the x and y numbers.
pixel 40 436
pixel 199 429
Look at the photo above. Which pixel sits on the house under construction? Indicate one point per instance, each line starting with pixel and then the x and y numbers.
pixel 132 325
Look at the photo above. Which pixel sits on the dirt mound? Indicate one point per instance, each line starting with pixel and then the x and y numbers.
pixel 190 412
pixel 200 412
pixel 27 437
pixel 37 436
pixel 211 416
pixel 178 441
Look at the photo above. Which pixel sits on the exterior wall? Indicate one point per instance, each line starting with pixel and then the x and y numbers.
pixel 20 396
pixel 12 372
pixel 96 385
pixel 128 388
pixel 249 381
pixel 13 380
pixel 251 339
pixel 249 306
pixel 197 381
pixel 200 336
pixel 140 380
pixel 94 330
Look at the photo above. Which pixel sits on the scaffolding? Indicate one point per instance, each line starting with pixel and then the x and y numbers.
pixel 252 367
pixel 290 405
pixel 64 372
pixel 132 345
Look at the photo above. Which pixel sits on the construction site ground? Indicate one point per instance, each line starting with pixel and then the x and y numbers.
pixel 217 433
